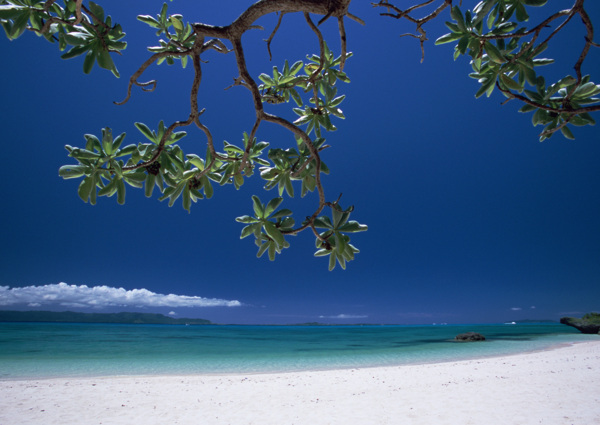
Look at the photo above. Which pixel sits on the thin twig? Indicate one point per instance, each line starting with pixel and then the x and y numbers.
pixel 273 35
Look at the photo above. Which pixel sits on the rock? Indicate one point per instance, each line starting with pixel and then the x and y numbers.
pixel 589 324
pixel 469 336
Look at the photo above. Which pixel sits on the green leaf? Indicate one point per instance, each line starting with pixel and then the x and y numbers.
pixel 97 11
pixel 177 24
pixel 566 131
pixel 72 171
pixel 109 190
pixel 272 250
pixel 493 53
pixel 88 62
pixel 149 184
pixel 486 87
pixel 542 62
pixel 85 188
pixel 143 128
pixel 536 3
pixel 457 15
pixel 448 38
pixel 331 261
pixel 77 38
pixel 284 212
pixel 19 25
pixel 262 249
pixel 187 200
pixel 265 78
pixel 246 219
pixel 272 206
pixel 510 83
pixel 274 233
pixel 259 209
pixel 75 51
pixel 539 117
pixel 104 60
pixel 247 231
pixel 176 193
pixel 586 90
pixel 289 187
pixel 527 108
pixel 296 67
pixel 147 19
pixel 353 227
pixel 521 13
pixel 120 192
pixel 10 11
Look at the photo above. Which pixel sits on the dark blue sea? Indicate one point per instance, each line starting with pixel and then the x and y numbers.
pixel 45 350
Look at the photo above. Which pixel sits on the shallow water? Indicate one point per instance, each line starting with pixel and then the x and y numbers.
pixel 42 350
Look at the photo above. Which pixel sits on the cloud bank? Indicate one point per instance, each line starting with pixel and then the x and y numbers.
pixel 344 316
pixel 62 294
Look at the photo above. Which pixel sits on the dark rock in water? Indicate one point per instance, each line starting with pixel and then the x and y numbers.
pixel 588 324
pixel 469 336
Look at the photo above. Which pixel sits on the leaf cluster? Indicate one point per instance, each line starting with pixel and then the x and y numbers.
pixel 180 37
pixel 504 55
pixel 160 164
pixel 90 33
pixel 269 228
pixel 293 164
pixel 101 168
pixel 566 94
pixel 318 81
pixel 334 241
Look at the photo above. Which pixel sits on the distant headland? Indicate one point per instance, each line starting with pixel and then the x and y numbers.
pixel 74 317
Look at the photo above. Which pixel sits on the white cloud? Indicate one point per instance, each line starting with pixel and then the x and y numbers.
pixel 532 307
pixel 516 308
pixel 101 296
pixel 344 316
pixel 172 313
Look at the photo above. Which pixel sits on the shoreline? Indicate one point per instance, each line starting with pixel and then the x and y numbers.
pixel 474 357
pixel 556 386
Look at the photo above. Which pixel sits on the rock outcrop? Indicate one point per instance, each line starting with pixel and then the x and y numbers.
pixel 588 324
pixel 469 336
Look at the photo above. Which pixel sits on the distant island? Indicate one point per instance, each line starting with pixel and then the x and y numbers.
pixel 74 317
pixel 588 324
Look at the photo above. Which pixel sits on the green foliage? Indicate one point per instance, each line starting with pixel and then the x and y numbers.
pixel 282 85
pixel 93 34
pixel 102 171
pixel 269 234
pixel 162 165
pixel 180 37
pixel 319 80
pixel 565 91
pixel 592 318
pixel 269 228
pixel 334 241
pixel 291 164
pixel 504 55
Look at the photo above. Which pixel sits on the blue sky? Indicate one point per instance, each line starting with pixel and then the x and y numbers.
pixel 470 218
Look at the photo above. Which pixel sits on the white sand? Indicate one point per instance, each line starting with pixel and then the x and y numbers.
pixel 560 386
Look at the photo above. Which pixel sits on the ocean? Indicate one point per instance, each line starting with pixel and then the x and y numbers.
pixel 46 350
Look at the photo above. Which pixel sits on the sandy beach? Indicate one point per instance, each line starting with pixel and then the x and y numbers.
pixel 558 386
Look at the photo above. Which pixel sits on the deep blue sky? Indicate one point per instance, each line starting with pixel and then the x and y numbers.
pixel 470 218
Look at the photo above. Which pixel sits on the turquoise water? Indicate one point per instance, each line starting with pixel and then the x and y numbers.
pixel 42 350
